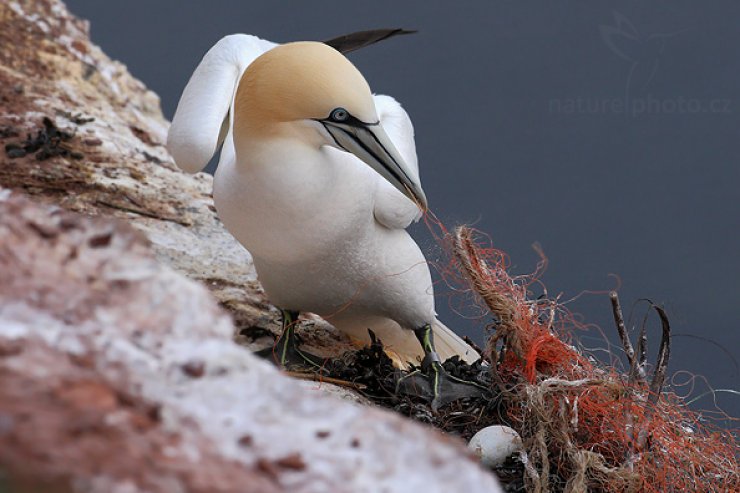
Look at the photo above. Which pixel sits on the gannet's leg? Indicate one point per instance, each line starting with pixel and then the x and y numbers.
pixel 433 380
pixel 287 340
pixel 285 353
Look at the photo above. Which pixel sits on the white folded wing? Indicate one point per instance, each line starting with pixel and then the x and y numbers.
pixel 202 120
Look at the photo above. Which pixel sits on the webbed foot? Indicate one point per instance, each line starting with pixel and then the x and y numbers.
pixel 285 352
pixel 432 382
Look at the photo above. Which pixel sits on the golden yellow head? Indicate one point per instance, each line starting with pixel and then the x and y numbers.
pixel 301 81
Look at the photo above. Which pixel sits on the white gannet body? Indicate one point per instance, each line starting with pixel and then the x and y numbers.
pixel 318 179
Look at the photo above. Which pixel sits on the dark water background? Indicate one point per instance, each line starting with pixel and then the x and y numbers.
pixel 605 131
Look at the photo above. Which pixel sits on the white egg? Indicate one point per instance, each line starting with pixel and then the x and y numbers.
pixel 493 444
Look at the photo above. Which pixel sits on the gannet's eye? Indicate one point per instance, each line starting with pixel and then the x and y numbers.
pixel 339 115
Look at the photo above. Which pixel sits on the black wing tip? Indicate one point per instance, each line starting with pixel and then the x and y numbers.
pixel 360 39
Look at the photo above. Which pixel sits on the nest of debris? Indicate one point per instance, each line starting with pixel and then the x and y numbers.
pixel 585 426
pixel 371 373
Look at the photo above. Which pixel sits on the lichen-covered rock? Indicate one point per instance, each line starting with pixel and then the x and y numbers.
pixel 118 374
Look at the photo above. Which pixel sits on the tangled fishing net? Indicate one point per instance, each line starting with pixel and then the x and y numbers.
pixel 587 427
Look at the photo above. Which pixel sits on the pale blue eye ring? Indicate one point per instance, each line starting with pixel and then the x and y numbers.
pixel 339 115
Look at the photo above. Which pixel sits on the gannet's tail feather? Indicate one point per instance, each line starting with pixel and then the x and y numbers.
pixel 450 344
pixel 404 349
pixel 401 344
pixel 202 117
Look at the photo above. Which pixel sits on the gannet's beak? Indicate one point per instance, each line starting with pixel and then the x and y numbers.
pixel 369 142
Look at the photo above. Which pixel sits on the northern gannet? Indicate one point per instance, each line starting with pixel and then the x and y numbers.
pixel 318 178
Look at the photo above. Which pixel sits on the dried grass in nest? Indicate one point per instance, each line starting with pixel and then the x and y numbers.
pixel 587 427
